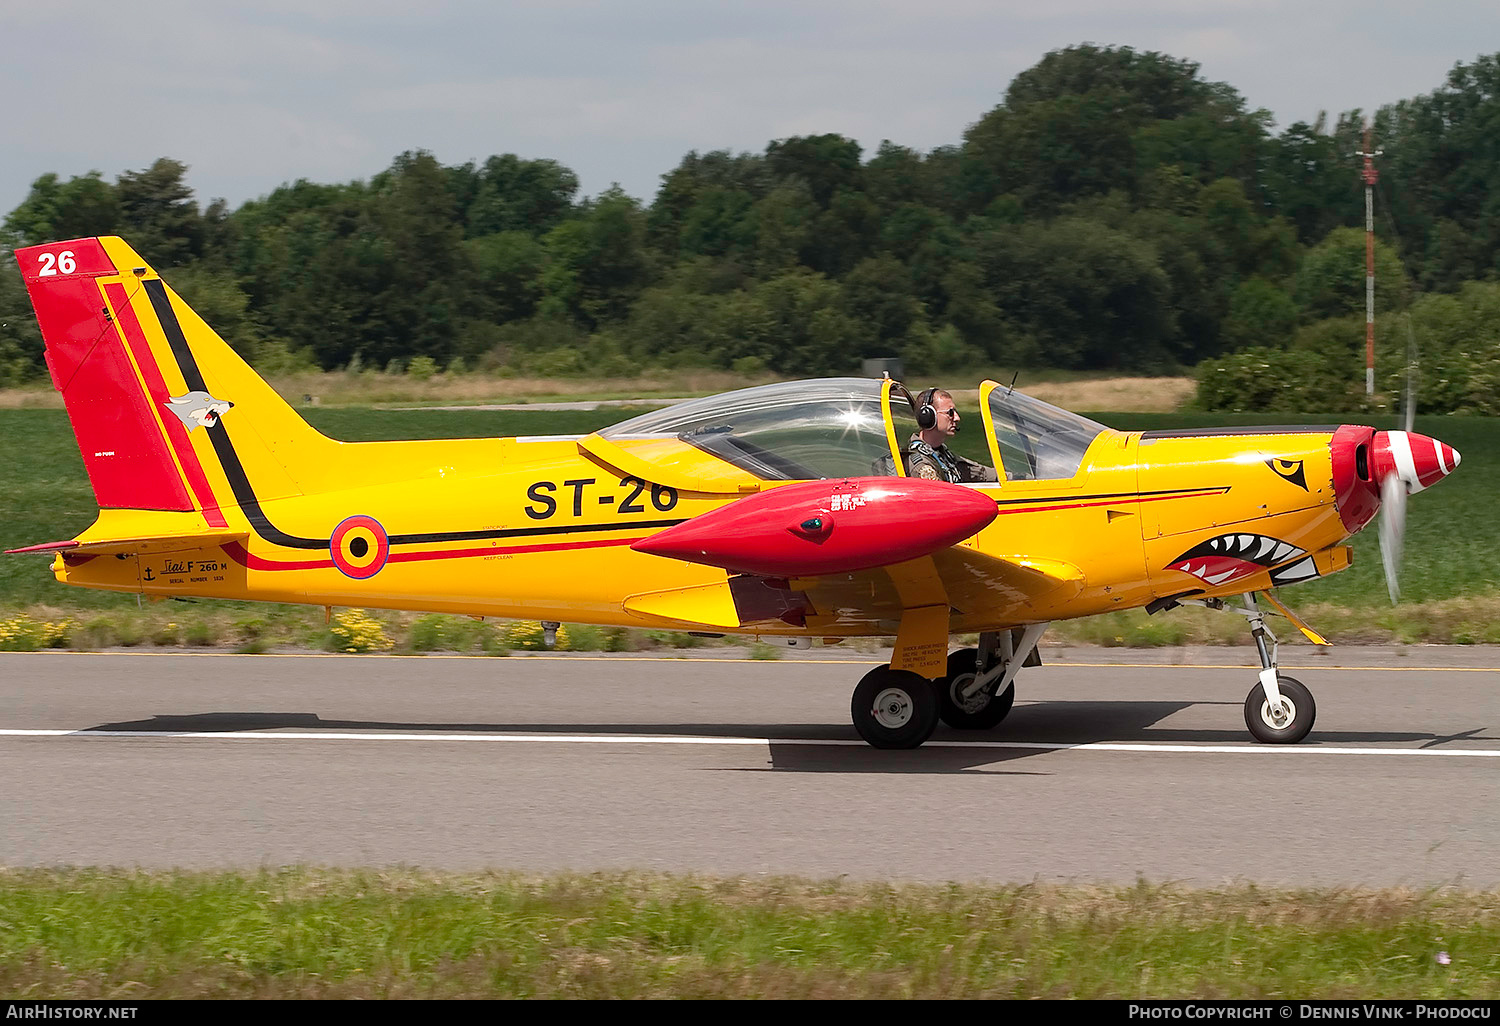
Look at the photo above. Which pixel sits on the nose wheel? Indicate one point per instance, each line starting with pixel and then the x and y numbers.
pixel 1288 721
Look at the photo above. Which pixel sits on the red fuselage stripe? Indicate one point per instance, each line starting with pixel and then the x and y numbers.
pixel 1111 502
pixel 240 555
pixel 156 389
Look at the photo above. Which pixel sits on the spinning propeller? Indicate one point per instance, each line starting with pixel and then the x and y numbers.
pixel 1403 463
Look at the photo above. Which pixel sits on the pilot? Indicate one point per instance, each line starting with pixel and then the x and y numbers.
pixel 928 454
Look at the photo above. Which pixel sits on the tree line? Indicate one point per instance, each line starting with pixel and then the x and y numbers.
pixel 1115 211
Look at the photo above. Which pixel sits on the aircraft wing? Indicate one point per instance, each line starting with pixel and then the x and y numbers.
pixel 957 576
pixel 968 581
pixel 853 553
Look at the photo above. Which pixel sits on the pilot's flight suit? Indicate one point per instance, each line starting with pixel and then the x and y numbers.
pixel 943 464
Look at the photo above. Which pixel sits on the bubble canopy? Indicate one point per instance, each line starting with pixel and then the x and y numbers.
pixel 835 427
pixel 789 431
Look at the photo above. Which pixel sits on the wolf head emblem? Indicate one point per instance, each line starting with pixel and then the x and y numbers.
pixel 197 408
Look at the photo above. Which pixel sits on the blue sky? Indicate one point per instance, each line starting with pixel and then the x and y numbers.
pixel 251 95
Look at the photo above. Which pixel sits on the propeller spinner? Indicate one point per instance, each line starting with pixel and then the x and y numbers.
pixel 1404 463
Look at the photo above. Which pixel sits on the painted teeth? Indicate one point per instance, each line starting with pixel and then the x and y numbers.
pixel 1296 572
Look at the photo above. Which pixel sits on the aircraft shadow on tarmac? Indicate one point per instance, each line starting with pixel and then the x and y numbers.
pixel 1042 722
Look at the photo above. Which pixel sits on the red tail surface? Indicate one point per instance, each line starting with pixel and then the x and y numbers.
pixel 124 450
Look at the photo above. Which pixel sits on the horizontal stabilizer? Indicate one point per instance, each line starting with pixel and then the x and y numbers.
pixel 133 546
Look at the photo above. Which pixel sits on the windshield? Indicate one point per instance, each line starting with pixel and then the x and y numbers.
pixel 793 430
pixel 1038 442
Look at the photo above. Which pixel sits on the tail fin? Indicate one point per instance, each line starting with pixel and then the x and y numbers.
pixel 167 415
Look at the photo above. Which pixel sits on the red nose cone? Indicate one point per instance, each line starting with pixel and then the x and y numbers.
pixel 1364 457
pixel 1420 462
pixel 828 527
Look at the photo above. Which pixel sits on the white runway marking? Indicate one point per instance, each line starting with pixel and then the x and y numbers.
pixel 669 739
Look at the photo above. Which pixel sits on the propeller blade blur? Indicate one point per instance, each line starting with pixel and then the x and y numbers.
pixel 1392 531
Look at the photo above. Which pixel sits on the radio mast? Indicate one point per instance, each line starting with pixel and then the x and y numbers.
pixel 1370 176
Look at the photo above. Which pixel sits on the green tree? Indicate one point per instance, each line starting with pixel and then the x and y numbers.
pixel 1312 177
pixel 1260 314
pixel 20 339
pixel 876 297
pixel 682 186
pixel 598 263
pixel 1441 175
pixel 827 163
pixel 158 214
pixel 508 268
pixel 509 194
pixel 784 223
pixel 54 210
pixel 1086 120
pixel 1090 296
pixel 1331 280
pixel 718 223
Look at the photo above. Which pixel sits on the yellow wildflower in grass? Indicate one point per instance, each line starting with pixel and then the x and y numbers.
pixel 529 636
pixel 354 630
pixel 22 633
pixel 57 635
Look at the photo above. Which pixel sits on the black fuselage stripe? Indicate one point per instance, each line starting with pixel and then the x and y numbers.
pixel 1053 499
pixel 526 532
pixel 218 434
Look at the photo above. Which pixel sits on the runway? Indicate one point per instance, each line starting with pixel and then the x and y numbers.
pixel 1110 768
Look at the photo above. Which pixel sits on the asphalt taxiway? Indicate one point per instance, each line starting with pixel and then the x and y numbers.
pixel 1114 765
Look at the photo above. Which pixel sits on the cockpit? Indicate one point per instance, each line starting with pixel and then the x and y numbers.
pixel 859 427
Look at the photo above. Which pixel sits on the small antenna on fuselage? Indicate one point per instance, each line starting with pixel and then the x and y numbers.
pixel 1013 378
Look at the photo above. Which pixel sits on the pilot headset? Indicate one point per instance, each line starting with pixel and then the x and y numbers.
pixel 926 415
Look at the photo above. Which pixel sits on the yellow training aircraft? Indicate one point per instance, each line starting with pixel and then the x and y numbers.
pixel 780 510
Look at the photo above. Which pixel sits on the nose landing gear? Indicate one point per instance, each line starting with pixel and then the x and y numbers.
pixel 1280 709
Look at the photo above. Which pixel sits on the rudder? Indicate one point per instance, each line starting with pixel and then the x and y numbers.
pixel 141 373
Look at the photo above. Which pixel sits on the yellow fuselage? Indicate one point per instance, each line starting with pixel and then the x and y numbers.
pixel 540 529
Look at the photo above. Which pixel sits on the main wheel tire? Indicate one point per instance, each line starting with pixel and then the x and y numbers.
pixel 981 712
pixel 1265 728
pixel 894 708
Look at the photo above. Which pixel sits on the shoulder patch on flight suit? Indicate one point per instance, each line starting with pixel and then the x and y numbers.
pixel 927 470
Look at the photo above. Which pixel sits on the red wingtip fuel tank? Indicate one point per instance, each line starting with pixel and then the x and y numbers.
pixel 1363 457
pixel 828 527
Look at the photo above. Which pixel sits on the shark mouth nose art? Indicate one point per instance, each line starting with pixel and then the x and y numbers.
pixel 1229 557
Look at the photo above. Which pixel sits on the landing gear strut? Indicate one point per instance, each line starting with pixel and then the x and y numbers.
pixel 1279 710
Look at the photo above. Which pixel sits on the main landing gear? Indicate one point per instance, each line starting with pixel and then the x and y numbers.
pixel 899 709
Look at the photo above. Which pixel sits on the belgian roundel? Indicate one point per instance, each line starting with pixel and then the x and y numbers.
pixel 359 547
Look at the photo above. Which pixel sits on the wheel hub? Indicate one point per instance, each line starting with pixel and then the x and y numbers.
pixel 1279 717
pixel 893 708
pixel 974 703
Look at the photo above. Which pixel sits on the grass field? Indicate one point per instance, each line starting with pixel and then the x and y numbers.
pixel 300 933
pixel 1451 553
pixel 1074 390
